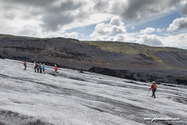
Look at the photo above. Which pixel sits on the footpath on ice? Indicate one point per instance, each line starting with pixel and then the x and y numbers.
pixel 75 98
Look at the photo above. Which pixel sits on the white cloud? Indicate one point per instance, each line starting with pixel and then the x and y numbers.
pixel 132 27
pixel 119 37
pixel 168 40
pixel 148 30
pixel 178 24
pixel 101 29
pixel 70 35
pixel 151 40
pixel 114 27
pixel 48 15
pixel 51 18
pixel 116 21
pixel 60 34
pixel 29 31
pixel 184 10
pixel 159 30
pixel 118 29
pixel 60 15
pixel 127 37
pixel 137 10
pixel 178 40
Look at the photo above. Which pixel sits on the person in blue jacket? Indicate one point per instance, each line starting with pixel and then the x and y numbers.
pixel 43 68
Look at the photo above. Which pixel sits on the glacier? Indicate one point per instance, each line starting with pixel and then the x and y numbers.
pixel 74 98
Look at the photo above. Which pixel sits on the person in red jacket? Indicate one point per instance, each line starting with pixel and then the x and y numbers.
pixel 56 70
pixel 153 87
pixel 25 65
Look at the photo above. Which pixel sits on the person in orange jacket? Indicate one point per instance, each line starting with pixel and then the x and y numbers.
pixel 56 70
pixel 153 87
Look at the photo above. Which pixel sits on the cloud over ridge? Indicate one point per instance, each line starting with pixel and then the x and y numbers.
pixel 119 20
pixel 178 24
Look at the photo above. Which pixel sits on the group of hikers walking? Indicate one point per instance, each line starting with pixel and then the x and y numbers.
pixel 40 68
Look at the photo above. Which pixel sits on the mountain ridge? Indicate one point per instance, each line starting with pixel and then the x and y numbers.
pixel 72 53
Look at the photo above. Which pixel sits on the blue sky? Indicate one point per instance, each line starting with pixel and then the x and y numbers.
pixel 149 22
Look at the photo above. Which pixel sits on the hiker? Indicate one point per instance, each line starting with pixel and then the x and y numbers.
pixel 40 68
pixel 35 66
pixel 56 70
pixel 43 68
pixel 81 71
pixel 153 87
pixel 25 65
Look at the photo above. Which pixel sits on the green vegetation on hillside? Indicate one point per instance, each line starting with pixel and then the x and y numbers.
pixel 127 48
pixel 133 48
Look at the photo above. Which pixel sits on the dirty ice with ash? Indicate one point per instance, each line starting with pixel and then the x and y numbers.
pixel 73 98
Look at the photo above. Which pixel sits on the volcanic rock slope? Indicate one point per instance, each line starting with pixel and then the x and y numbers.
pixel 156 63
pixel 84 55
pixel 74 98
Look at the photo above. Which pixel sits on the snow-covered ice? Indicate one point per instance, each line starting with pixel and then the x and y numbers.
pixel 75 98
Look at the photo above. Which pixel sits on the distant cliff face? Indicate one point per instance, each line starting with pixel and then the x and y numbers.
pixel 84 55
pixel 126 60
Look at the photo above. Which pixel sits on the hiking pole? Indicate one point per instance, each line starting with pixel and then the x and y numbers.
pixel 148 92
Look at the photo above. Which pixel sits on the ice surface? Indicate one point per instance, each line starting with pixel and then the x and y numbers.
pixel 75 98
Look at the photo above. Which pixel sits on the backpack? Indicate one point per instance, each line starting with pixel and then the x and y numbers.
pixel 36 65
pixel 155 86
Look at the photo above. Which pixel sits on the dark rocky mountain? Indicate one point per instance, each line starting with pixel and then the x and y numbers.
pixel 146 63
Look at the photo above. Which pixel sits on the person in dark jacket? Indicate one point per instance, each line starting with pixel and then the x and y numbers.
pixel 153 87
pixel 40 67
pixel 37 68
